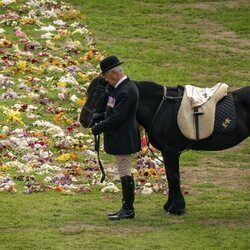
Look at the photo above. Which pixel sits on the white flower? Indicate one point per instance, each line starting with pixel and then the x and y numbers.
pixel 42 90
pixel 49 13
pixel 55 68
pixel 48 179
pixel 61 96
pixel 74 25
pixel 47 35
pixel 147 189
pixel 2 31
pixel 80 31
pixel 89 152
pixel 56 131
pixel 48 28
pixel 7 2
pixel 17 106
pixel 59 23
pixel 73 98
pixel 48 79
pixel 79 135
pixel 31 116
pixel 111 187
pixel 31 108
pixel 69 79
pixel 5 129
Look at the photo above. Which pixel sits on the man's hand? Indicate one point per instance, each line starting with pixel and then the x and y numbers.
pixel 95 130
pixel 97 117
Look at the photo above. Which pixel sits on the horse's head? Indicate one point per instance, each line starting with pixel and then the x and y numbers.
pixel 96 100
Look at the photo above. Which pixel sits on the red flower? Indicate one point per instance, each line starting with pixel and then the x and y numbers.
pixel 23 108
pixel 144 141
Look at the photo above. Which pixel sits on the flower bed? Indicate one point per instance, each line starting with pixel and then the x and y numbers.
pixel 48 59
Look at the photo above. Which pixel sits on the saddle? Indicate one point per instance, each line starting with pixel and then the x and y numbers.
pixel 196 115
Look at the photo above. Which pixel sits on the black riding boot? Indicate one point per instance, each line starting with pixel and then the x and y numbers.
pixel 128 193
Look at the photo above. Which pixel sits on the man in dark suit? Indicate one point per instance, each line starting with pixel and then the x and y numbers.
pixel 120 128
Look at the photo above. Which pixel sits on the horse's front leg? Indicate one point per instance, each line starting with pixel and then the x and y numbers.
pixel 175 203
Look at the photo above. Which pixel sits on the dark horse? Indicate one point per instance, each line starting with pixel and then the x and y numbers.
pixel 164 134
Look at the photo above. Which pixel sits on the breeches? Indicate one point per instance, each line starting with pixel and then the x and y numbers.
pixel 124 165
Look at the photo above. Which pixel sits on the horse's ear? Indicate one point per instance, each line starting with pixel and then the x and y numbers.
pixel 103 82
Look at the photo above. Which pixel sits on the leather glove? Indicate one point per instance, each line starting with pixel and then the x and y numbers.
pixel 95 130
pixel 97 117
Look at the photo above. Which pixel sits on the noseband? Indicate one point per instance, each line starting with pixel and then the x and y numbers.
pixel 99 106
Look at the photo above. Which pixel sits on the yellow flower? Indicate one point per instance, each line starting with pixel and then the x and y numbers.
pixel 66 157
pixel 148 172
pixel 62 84
pixel 22 65
pixel 56 62
pixel 5 43
pixel 50 45
pixel 64 32
pixel 14 116
pixel 69 121
pixel 152 172
pixel 71 15
pixel 3 136
pixel 27 20
pixel 80 147
pixel 4 168
pixel 84 77
pixel 58 118
pixel 80 102
pixel 56 37
pixel 35 69
pixel 83 147
pixel 74 171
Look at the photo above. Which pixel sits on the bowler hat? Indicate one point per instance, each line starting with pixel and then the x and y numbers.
pixel 108 63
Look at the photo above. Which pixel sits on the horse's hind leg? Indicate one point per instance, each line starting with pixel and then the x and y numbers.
pixel 243 97
pixel 175 203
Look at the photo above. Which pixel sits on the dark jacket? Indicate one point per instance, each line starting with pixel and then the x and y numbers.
pixel 121 131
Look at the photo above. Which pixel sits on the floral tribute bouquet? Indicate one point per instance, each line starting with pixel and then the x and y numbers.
pixel 48 59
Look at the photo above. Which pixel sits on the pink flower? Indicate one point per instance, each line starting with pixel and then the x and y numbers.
pixel 20 33
pixel 61 96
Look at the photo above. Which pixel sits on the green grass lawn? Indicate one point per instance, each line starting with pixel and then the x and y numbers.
pixel 170 42
pixel 175 42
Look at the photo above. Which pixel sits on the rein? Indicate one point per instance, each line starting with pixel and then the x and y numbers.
pixel 97 137
pixel 97 149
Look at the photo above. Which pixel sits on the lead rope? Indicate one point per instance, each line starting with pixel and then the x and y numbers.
pixel 97 149
pixel 97 141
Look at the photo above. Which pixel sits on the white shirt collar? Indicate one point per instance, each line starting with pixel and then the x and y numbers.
pixel 120 81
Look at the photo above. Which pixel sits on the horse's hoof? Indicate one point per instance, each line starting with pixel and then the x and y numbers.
pixel 176 211
pixel 166 206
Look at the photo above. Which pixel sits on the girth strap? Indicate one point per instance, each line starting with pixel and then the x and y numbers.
pixel 164 98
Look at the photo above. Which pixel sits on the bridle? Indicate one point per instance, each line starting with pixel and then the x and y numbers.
pixel 97 137
pixel 99 105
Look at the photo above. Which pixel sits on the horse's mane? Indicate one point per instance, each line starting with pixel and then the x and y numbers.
pixel 149 86
pixel 95 85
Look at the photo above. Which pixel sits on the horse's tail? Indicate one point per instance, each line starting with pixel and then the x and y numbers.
pixel 243 96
